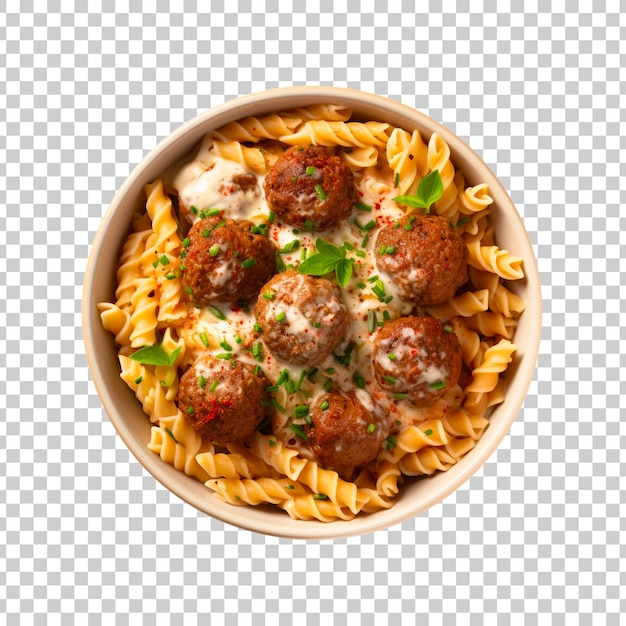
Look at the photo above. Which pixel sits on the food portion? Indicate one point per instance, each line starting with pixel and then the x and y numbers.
pixel 301 317
pixel 417 357
pixel 309 188
pixel 225 260
pixel 425 258
pixel 222 399
pixel 312 309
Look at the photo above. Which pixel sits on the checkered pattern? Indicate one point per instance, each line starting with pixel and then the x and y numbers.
pixel 87 536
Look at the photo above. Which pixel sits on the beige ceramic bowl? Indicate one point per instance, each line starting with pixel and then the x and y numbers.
pixel 133 426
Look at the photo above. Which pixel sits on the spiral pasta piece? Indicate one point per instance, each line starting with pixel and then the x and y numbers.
pixel 465 305
pixel 253 129
pixel 360 158
pixel 130 267
pixel 307 507
pixel 234 465
pixel 475 199
pixel 144 316
pixel 491 324
pixel 413 438
pixel 485 377
pixel 407 155
pixel 116 321
pixel 439 159
pixel 493 259
pixel 255 491
pixel 175 441
pixel 255 159
pixel 461 423
pixel 164 225
pixel 347 134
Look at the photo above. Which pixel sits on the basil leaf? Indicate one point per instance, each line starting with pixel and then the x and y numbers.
pixel 412 201
pixel 151 355
pixel 318 265
pixel 344 272
pixel 430 188
pixel 328 250
pixel 155 355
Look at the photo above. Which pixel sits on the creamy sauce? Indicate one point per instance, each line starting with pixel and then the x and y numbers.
pixel 200 187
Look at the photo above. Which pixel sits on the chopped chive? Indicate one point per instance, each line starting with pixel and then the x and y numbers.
pixel 330 370
pixel 272 389
pixel 363 207
pixel 226 346
pixel 204 339
pixel 301 410
pixel 294 179
pixel 212 212
pixel 284 375
pixel 273 403
pixel 190 410
pixel 238 339
pixel 304 252
pixel 324 405
pixel 290 386
pixel 328 384
pixel 213 386
pixel 249 262
pixel 428 432
pixel 272 217
pixel 400 396
pixel 155 264
pixel 171 276
pixel 392 356
pixel 280 316
pixel 225 356
pixel 290 247
pixel 164 259
pixel 360 253
pixel 269 295
pixel 310 171
pixel 390 250
pixel 312 375
pixel 320 496
pixel 257 328
pixel 138 380
pixel 317 324
pixel 206 232
pixel 390 379
pixel 365 241
pixel 215 311
pixel 396 179
pixel 321 194
pixel 193 209
pixel 438 385
pixel 392 442
pixel 371 428
pixel 465 220
pixel 371 321
pixel 369 226
pixel 386 315
pixel 361 284
pixel 296 429
pixel 381 250
pixel 170 433
pixel 257 351
pixel 300 380
pixel 359 380
pixel 214 250
pixel 201 381
pixel 272 443
pixel 290 487
pixel 260 229
pixel 448 328
pixel 372 279
pixel 185 242
pixel 308 224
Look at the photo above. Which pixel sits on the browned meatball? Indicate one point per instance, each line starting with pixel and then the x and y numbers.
pixel 302 317
pixel 222 399
pixel 345 432
pixel 426 259
pixel 309 188
pixel 418 357
pixel 225 261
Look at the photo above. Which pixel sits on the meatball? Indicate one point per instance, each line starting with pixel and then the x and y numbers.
pixel 309 188
pixel 225 261
pixel 222 399
pixel 302 317
pixel 426 259
pixel 418 357
pixel 347 429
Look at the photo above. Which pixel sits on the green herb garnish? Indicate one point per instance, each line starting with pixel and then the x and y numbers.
pixel 329 258
pixel 429 191
pixel 155 355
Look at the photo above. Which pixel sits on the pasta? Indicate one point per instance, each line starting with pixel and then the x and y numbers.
pixel 152 314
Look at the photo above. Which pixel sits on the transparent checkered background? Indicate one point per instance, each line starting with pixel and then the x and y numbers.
pixel 87 536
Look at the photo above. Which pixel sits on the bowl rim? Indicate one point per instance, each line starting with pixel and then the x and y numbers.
pixel 286 527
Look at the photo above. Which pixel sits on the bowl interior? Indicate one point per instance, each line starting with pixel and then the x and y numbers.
pixel 125 412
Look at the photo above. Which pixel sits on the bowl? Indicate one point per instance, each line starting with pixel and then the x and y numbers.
pixel 125 412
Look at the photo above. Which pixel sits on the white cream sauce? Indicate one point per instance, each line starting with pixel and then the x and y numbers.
pixel 200 187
